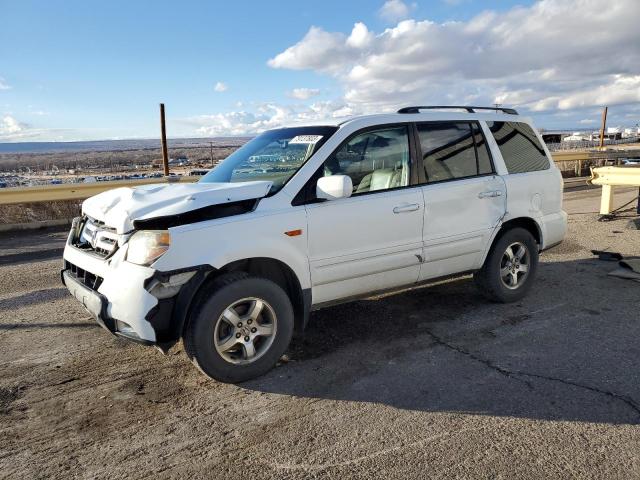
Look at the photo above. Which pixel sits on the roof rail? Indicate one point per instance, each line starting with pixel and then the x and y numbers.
pixel 469 109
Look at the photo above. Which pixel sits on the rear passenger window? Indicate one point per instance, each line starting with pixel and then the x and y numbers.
pixel 375 160
pixel 449 151
pixel 520 147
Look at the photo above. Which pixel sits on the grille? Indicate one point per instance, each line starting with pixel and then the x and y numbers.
pixel 98 238
pixel 87 278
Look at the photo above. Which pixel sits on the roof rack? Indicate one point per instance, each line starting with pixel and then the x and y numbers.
pixel 469 109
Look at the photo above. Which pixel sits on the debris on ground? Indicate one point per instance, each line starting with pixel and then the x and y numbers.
pixel 629 268
pixel 607 256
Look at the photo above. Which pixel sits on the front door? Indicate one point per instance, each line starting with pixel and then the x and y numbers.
pixel 372 240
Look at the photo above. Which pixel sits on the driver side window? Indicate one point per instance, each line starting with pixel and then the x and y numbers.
pixel 375 160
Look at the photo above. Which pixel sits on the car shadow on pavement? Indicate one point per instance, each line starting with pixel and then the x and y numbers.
pixel 35 326
pixel 30 247
pixel 567 352
pixel 32 256
pixel 32 298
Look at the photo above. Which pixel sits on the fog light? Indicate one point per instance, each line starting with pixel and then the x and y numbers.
pixel 162 290
pixel 125 328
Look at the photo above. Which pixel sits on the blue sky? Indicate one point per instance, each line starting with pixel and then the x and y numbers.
pixel 78 70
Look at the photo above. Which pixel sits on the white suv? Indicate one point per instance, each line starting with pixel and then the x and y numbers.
pixel 305 216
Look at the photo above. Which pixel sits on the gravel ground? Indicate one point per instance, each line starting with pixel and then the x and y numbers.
pixel 428 382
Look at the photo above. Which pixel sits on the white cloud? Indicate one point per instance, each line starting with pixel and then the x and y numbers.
pixel 318 50
pixel 587 121
pixel 542 58
pixel 265 117
pixel 360 36
pixel 220 87
pixel 394 10
pixel 304 93
pixel 545 57
pixel 14 130
pixel 10 125
pixel 11 129
pixel 4 85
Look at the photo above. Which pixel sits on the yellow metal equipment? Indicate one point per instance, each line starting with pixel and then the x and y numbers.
pixel 609 177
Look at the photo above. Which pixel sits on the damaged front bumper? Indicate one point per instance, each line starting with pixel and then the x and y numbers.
pixel 97 305
pixel 131 301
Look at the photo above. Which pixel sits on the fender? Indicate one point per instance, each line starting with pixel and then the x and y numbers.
pixel 220 242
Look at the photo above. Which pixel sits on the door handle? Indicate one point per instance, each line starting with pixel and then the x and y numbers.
pixel 406 208
pixel 490 194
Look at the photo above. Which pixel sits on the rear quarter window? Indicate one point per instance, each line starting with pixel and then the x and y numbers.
pixel 520 147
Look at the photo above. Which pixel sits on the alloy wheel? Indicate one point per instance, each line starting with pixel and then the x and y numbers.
pixel 514 265
pixel 245 330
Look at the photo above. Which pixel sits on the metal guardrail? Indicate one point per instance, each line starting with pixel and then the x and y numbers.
pixel 73 191
pixel 587 144
pixel 610 177
pixel 591 158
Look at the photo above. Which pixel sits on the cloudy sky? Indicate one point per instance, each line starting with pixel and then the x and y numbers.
pixel 76 70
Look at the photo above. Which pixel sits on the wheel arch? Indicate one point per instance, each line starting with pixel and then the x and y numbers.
pixel 272 269
pixel 527 223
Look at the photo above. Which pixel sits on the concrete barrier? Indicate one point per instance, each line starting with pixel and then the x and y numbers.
pixel 16 227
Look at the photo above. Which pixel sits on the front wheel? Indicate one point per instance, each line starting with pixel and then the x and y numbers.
pixel 241 330
pixel 510 267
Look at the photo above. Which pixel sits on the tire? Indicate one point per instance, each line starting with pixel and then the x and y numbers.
pixel 228 353
pixel 495 279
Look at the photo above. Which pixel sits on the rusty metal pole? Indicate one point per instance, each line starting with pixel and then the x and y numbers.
pixel 604 126
pixel 163 139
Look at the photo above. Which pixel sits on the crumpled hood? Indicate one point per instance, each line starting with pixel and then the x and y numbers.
pixel 118 208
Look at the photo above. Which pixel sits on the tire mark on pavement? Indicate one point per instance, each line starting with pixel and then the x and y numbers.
pixel 309 467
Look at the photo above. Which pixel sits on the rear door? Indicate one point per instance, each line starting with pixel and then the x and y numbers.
pixel 372 240
pixel 464 198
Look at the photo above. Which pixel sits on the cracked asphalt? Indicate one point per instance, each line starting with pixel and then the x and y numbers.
pixel 430 382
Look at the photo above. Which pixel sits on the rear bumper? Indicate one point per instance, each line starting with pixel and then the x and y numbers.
pixel 554 229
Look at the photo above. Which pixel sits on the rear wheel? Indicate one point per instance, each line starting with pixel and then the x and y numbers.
pixel 510 267
pixel 241 330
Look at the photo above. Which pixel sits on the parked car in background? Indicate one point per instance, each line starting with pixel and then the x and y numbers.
pixel 198 172
pixel 302 217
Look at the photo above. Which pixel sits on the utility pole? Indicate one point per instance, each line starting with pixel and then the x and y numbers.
pixel 603 127
pixel 163 140
pixel 211 153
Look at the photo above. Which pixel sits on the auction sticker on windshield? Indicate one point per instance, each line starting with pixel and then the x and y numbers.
pixel 306 139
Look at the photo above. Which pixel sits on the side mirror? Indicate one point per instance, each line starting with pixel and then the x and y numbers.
pixel 334 186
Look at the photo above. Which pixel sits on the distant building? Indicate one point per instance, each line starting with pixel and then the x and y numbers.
pixel 552 137
pixel 577 137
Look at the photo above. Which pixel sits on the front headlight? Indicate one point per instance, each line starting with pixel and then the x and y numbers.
pixel 146 246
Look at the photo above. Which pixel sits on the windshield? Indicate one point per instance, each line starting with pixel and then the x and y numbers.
pixel 274 156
